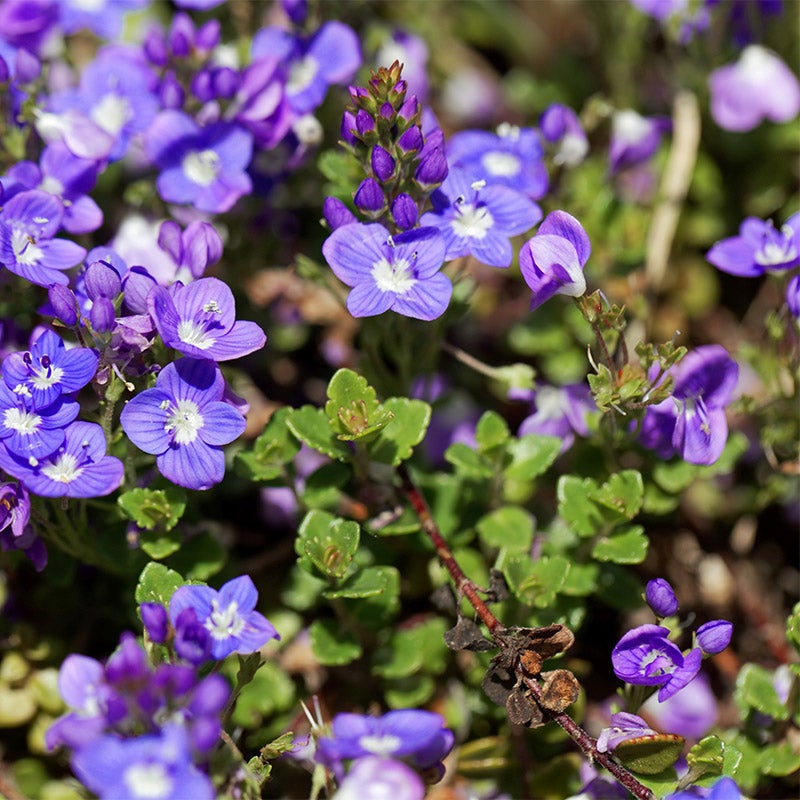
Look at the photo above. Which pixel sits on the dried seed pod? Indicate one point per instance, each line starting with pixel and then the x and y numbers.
pixel 559 690
pixel 466 635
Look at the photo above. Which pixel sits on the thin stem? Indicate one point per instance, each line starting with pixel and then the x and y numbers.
pixel 466 588
pixel 470 361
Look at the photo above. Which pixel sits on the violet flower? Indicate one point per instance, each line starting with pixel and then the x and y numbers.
pixel 624 726
pixel 377 778
pixel 478 219
pixel 558 411
pixel 79 468
pixel 645 656
pixel 199 320
pixel 661 598
pixel 399 273
pixel 15 508
pixel 634 138
pixel 510 157
pixel 184 422
pixel 28 223
pixel 714 636
pixel 205 167
pixel 560 125
pixel 691 713
pixel 552 261
pixel 758 86
pixel 228 615
pixel 103 18
pixel 758 248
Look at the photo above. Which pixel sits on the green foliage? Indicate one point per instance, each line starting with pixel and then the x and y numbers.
pixel 157 584
pixel 274 448
pixel 650 755
pixel 329 543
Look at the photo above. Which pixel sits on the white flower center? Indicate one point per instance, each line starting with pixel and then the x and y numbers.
pixel 508 131
pixel 394 276
pixel 64 470
pixel 24 422
pixel 572 150
pixel 301 74
pixel 201 166
pixel 184 422
pixel 471 222
pixel 52 185
pixel 226 622
pixel 308 129
pixel 777 249
pixel 380 744
pixel 148 781
pixel 111 113
pixel 550 403
pixel 88 5
pixel 44 377
pixel 756 64
pixel 630 127
pixel 504 165
pixel 195 334
pixel 26 251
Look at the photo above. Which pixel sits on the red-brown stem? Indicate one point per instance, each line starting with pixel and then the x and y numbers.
pixel 467 588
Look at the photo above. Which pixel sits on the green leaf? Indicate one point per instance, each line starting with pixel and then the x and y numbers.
pixel 154 508
pixel 353 409
pixel 375 610
pixel 311 426
pixel 408 422
pixel 617 587
pixel 536 582
pixel 780 759
pixel 622 494
pixel 411 650
pixel 531 455
pixel 410 692
pixel 332 645
pixel 793 627
pixel 368 582
pixel 157 583
pixel 270 691
pixel 650 755
pixel 160 545
pixel 491 431
pixel 581 580
pixel 467 461
pixel 754 689
pixel 660 784
pixel 510 527
pixel 575 506
pixel 328 541
pixel 272 450
pixel 706 757
pixel 627 545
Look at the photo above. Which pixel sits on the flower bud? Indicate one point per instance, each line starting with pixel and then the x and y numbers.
pixel 296 10
pixel 181 36
pixel 336 213
pixel 102 280
pixel 411 140
pixel 661 598
pixel 432 170
pixel 64 303
pixel 347 127
pixel 226 82
pixel 404 211
pixel 102 315
pixel 154 619
pixel 208 36
pixel 369 196
pixel 793 296
pixel 409 109
pixel 713 637
pixel 364 122
pixel 171 93
pixel 382 163
pixel 202 86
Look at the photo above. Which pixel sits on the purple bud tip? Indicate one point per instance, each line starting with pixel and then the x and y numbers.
pixel 382 163
pixel 713 637
pixel 369 196
pixel 364 122
pixel 336 213
pixel 404 211
pixel 410 140
pixel 154 619
pixel 432 170
pixel 661 598
pixel 64 304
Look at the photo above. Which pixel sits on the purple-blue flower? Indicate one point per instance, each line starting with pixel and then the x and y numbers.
pixel 28 223
pixel 724 788
pixel 15 508
pixel 758 86
pixel 79 468
pixel 510 157
pixel 478 219
pixel 199 320
pixel 759 247
pixel 634 138
pixel 623 726
pixel 660 597
pixel 400 273
pixel 692 422
pixel 645 656
pixel 204 166
pixel 560 125
pixel 49 370
pixel 377 778
pixel 228 615
pixel 692 712
pixel 552 261
pixel 714 636
pixel 102 17
pixel 184 422
pixel 154 766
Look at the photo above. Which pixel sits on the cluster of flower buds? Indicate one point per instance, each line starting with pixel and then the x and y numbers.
pixel 383 128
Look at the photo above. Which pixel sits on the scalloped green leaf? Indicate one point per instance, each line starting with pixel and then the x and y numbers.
pixel 368 582
pixel 650 755
pixel 780 759
pixel 627 545
pixel 420 648
pixel 491 431
pixel 406 428
pixel 575 506
pixel 154 508
pixel 706 757
pixel 332 645
pixel 157 583
pixel 536 582
pixel 272 450
pixel 353 410
pixel 468 462
pixel 160 545
pixel 621 494
pixel 329 542
pixel 531 455
pixel 510 527
pixel 755 689
pixel 312 427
